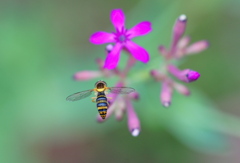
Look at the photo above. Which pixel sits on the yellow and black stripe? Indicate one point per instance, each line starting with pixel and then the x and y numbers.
pixel 102 104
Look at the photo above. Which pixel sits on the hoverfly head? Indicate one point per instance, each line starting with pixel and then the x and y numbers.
pixel 100 85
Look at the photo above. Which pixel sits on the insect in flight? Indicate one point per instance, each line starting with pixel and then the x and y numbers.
pixel 101 99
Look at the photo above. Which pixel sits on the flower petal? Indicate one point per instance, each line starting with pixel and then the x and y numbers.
pixel 101 38
pixel 113 57
pixel 137 51
pixel 118 19
pixel 140 29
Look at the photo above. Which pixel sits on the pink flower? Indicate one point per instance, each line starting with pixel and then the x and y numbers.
pixel 122 39
pixel 179 48
pixel 180 45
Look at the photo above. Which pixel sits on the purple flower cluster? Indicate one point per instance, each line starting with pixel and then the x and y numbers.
pixel 122 42
pixel 179 48
pixel 118 104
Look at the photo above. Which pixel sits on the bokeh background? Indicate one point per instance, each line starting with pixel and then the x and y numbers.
pixel 43 43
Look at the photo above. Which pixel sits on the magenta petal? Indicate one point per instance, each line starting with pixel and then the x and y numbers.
pixel 113 57
pixel 118 19
pixel 140 29
pixel 101 38
pixel 137 51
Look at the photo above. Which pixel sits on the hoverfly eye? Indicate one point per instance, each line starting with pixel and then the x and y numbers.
pixel 100 85
pixel 104 83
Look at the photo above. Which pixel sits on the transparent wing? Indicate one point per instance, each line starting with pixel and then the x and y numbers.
pixel 79 95
pixel 121 90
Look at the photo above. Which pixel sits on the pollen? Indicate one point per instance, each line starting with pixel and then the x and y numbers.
pixel 122 38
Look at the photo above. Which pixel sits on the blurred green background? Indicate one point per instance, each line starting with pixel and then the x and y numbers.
pixel 43 43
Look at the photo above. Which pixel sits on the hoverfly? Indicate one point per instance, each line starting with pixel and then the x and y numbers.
pixel 101 99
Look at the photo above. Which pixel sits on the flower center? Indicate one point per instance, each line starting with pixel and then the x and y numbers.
pixel 121 36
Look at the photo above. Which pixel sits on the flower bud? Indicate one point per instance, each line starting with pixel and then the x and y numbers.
pixel 183 42
pixel 166 94
pixel 178 31
pixel 157 75
pixel 197 47
pixel 193 75
pixel 163 50
pixel 109 48
pixel 186 75
pixel 86 75
pixel 120 109
pixel 133 121
pixel 134 96
pixel 181 89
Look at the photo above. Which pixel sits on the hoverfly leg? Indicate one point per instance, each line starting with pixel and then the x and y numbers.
pixel 94 99
pixel 109 103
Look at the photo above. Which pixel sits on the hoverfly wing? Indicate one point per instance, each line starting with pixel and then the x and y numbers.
pixel 79 95
pixel 121 90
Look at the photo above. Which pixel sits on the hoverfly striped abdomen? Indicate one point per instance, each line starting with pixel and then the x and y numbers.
pixel 102 104
pixel 101 99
